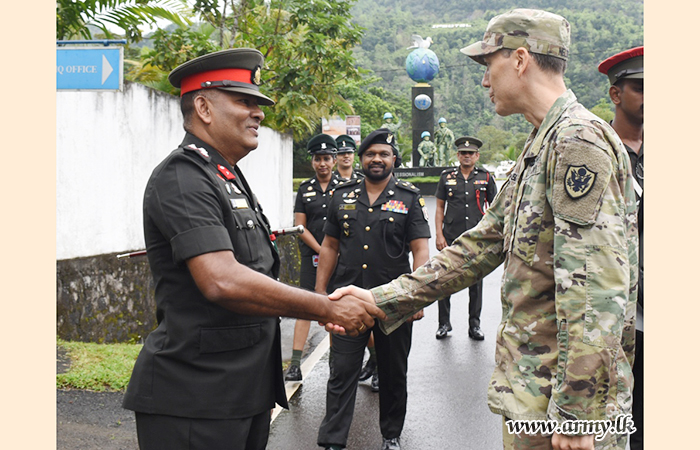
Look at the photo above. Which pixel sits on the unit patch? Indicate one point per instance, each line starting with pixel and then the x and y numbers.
pixel 578 181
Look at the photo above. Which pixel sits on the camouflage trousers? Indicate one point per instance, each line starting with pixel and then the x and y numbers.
pixel 524 441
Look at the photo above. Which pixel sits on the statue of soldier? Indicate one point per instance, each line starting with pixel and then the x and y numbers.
pixel 427 151
pixel 444 140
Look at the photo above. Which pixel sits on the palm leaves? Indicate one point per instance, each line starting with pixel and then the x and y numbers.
pixel 73 18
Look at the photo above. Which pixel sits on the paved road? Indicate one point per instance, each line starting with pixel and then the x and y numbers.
pixel 447 381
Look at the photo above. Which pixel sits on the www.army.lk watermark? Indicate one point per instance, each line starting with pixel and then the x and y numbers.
pixel 623 424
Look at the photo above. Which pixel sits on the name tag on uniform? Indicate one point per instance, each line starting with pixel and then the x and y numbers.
pixel 309 194
pixel 451 182
pixel 347 207
pixel 396 206
pixel 239 203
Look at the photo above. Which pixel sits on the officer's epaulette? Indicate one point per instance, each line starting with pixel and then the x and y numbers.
pixel 450 170
pixel 202 152
pixel 407 186
pixel 307 181
pixel 342 184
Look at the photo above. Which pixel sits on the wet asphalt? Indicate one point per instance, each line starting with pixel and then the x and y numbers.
pixel 447 383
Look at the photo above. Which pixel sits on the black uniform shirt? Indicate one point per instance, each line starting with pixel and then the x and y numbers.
pixel 313 201
pixel 204 361
pixel 374 239
pixel 466 200
pixel 354 176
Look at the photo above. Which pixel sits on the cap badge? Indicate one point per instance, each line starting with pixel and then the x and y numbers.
pixel 389 138
pixel 323 145
pixel 255 76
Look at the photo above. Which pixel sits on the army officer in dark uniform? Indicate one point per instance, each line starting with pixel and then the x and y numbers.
pixel 371 227
pixel 210 373
pixel 346 158
pixel 466 191
pixel 310 210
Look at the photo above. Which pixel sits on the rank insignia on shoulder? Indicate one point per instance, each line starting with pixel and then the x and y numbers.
pixel 578 181
pixel 421 201
pixel 200 150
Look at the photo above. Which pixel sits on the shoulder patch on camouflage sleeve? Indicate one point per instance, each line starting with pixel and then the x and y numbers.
pixel 582 175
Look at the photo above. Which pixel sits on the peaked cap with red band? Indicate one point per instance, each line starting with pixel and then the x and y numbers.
pixel 627 64
pixel 234 70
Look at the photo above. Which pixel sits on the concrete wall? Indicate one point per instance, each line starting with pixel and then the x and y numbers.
pixel 107 145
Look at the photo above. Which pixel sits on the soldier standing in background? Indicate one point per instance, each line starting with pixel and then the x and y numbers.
pixel 310 211
pixel 372 226
pixel 565 227
pixel 466 191
pixel 626 74
pixel 346 158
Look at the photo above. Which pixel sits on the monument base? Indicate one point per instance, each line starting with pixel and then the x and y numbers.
pixel 412 172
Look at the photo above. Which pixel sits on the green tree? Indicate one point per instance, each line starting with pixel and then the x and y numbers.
pixel 604 110
pixel 73 18
pixel 307 46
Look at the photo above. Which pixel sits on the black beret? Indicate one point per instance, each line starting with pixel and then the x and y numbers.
pixel 380 136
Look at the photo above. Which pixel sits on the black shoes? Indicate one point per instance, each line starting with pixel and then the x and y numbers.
pixel 476 333
pixel 375 382
pixel 293 373
pixel 391 444
pixel 369 370
pixel 442 331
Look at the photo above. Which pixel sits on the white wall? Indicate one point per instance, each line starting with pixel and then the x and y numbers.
pixel 107 145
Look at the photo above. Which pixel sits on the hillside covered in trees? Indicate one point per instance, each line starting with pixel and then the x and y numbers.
pixel 600 28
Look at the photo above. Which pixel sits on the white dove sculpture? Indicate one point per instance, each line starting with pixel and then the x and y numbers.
pixel 419 42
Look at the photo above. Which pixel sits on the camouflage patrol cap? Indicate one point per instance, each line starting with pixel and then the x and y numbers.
pixel 538 31
pixel 322 144
pixel 233 70
pixel 346 144
pixel 627 64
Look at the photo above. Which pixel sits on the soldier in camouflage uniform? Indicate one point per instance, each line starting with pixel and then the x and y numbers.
pixel 444 139
pixel 565 228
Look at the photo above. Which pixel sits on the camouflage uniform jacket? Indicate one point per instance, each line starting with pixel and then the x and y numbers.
pixel 564 225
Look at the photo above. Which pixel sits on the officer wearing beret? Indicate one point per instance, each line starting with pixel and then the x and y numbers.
pixel 346 158
pixel 372 226
pixel 625 71
pixel 466 191
pixel 564 226
pixel 310 210
pixel 210 373
pixel 345 171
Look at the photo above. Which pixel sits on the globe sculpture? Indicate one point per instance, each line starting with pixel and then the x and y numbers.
pixel 422 65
